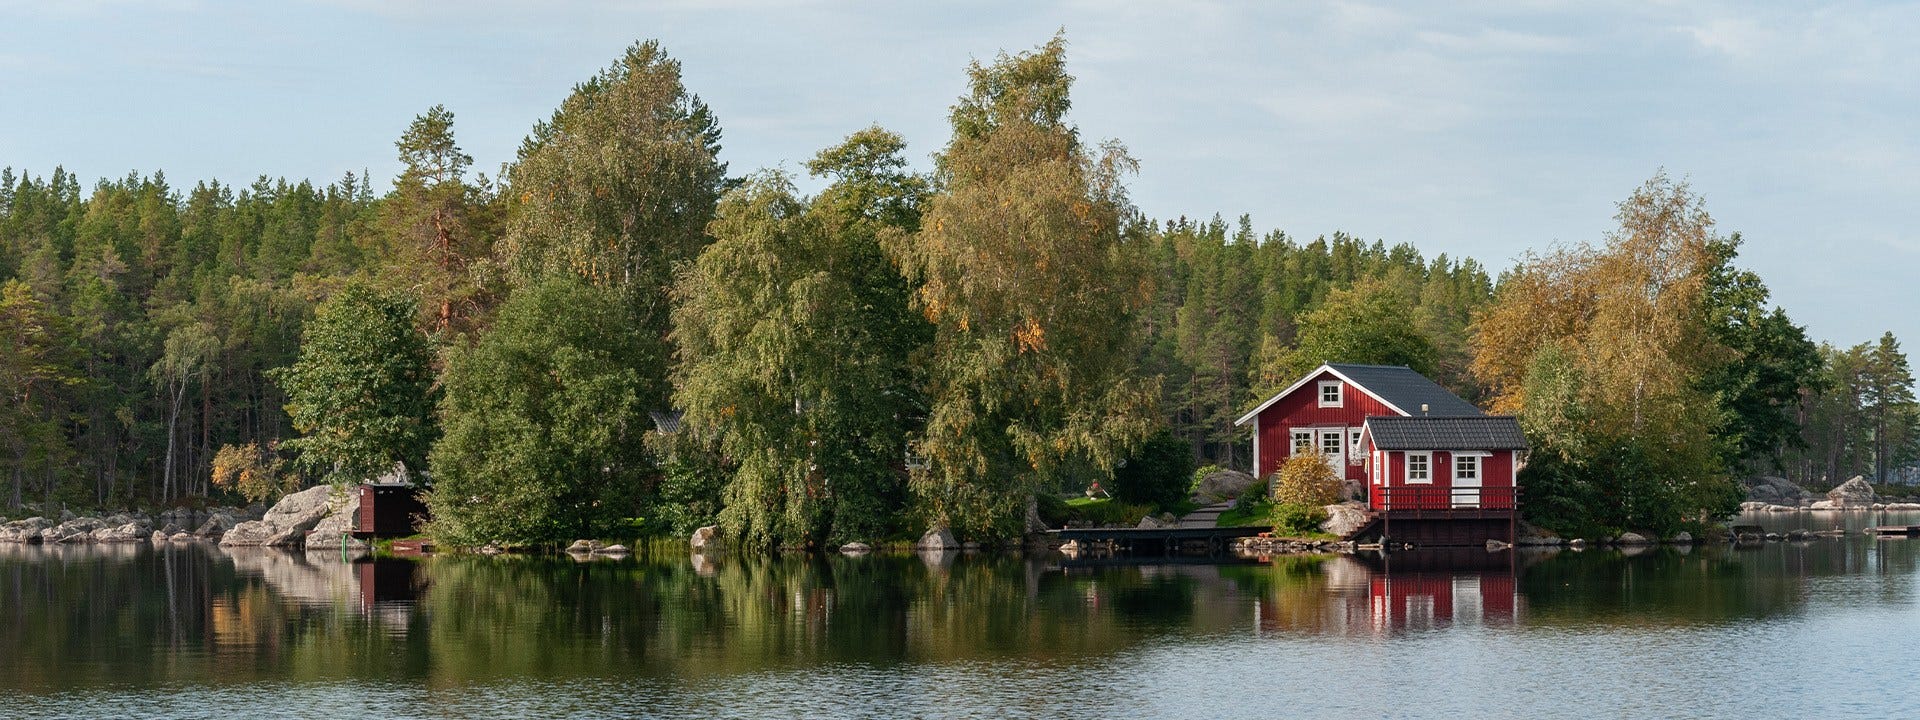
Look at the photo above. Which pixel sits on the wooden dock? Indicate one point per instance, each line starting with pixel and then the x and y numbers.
pixel 1895 531
pixel 1159 539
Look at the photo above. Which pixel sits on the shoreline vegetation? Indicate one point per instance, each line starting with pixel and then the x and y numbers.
pixel 615 338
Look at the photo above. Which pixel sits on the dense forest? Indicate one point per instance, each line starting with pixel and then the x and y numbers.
pixel 618 334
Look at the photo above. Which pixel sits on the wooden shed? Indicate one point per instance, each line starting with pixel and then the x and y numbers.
pixel 389 510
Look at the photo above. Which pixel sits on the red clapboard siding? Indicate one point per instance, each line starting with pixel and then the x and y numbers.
pixel 1302 408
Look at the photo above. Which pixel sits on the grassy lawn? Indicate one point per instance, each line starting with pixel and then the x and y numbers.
pixel 1247 514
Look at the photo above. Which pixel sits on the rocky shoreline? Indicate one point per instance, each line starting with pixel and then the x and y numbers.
pixel 316 518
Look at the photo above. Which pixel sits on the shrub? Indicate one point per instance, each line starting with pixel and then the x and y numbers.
pixel 1053 509
pixel 1307 480
pixel 1107 513
pixel 1296 519
pixel 1200 475
pixel 1255 494
pixel 257 473
pixel 1156 474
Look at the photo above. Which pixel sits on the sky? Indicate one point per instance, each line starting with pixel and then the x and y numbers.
pixel 1479 129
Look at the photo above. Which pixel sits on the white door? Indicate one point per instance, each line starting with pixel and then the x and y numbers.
pixel 1466 481
pixel 1332 449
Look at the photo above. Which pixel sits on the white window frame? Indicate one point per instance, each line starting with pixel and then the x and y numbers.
pixel 1426 468
pixel 1473 459
pixel 1298 438
pixel 1354 456
pixel 1339 394
pixel 1338 437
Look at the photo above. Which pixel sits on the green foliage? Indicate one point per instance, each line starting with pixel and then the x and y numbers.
pixel 1022 268
pixel 617 189
pixel 1249 511
pixel 1773 363
pixel 31 369
pixel 1368 324
pixel 1306 480
pixel 257 473
pixel 795 339
pixel 1157 474
pixel 1294 519
pixel 1613 357
pixel 689 498
pixel 1200 476
pixel 545 428
pixel 1106 512
pixel 360 393
pixel 1227 299
pixel 436 229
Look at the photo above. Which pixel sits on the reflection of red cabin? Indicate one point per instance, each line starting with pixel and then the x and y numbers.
pixel 1438 471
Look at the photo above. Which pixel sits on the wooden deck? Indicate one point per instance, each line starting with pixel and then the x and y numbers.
pixel 1439 517
pixel 1895 531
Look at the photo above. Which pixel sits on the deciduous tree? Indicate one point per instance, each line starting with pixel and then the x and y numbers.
pixel 1022 268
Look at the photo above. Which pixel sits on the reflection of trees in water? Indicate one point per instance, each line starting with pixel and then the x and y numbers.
pixel 1686 586
pixel 191 613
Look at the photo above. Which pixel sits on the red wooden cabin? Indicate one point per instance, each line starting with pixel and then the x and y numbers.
pixel 1431 462
pixel 388 510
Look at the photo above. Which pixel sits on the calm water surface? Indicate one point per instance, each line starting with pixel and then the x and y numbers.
pixel 1828 628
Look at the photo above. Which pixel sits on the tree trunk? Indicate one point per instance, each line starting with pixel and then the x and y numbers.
pixel 173 424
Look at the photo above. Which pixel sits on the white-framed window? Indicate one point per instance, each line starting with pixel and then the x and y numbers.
pixel 1419 468
pixel 1354 455
pixel 1330 444
pixel 1466 467
pixel 1330 393
pixel 1302 441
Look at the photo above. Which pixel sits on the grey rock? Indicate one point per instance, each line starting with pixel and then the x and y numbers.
pixel 181 537
pixel 613 550
pixel 72 531
pixel 1775 491
pixel 939 538
pixel 584 546
pixel 24 531
pixel 1150 523
pixel 1681 538
pixel 1854 493
pixel 341 519
pixel 1531 536
pixel 217 524
pixel 1344 518
pixel 705 537
pixel 1496 546
pixel 856 548
pixel 1903 506
pixel 287 523
pixel 1632 538
pixel 1222 485
pixel 126 532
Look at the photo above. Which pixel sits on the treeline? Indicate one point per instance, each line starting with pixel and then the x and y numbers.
pixel 619 337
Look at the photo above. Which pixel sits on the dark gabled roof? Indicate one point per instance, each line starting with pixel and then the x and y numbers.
pixel 1407 390
pixel 1485 432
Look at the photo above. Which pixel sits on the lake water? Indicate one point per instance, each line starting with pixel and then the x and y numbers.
pixel 1817 629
